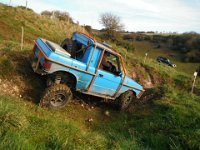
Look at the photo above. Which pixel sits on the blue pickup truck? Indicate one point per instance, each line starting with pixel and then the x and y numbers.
pixel 85 65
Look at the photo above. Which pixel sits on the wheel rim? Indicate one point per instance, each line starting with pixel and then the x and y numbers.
pixel 58 99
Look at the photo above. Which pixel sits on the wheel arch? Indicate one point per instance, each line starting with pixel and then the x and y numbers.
pixel 132 90
pixel 134 93
pixel 66 77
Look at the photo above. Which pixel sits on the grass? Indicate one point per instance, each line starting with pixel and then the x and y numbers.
pixel 25 126
pixel 146 47
pixel 164 124
pixel 12 19
pixel 170 121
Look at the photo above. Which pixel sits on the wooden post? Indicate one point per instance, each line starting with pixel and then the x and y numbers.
pixel 145 57
pixel 22 38
pixel 195 76
pixel 125 54
pixel 26 4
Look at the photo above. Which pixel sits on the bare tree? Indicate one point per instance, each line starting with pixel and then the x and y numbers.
pixel 111 22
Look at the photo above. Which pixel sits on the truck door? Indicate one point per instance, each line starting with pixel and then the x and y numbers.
pixel 81 63
pixel 108 76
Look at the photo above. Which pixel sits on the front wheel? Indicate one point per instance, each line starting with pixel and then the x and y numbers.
pixel 124 100
pixel 56 96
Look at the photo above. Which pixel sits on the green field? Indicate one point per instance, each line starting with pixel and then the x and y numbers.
pixel 171 120
pixel 142 47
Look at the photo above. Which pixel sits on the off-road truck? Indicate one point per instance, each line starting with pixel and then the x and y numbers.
pixel 85 65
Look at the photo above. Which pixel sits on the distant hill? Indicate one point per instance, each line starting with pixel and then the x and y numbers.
pixel 182 49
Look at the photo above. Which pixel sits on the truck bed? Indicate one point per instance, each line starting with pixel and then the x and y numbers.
pixel 57 49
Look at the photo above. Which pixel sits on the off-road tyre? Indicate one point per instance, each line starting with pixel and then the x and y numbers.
pixel 124 100
pixel 56 96
pixel 69 45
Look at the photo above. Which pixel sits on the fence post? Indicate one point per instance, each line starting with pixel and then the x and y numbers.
pixel 26 4
pixel 22 38
pixel 145 57
pixel 195 75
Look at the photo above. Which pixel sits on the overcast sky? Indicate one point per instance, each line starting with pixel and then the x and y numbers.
pixel 136 15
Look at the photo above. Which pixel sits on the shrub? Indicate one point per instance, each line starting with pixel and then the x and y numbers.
pixel 58 14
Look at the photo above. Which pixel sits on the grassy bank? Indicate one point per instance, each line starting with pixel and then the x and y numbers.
pixel 171 122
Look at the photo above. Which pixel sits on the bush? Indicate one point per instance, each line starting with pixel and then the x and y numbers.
pixel 88 28
pixel 196 44
pixel 22 7
pixel 58 14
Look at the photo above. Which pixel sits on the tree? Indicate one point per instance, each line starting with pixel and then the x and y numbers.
pixel 111 22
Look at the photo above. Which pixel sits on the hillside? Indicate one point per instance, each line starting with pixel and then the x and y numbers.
pixel 173 47
pixel 169 120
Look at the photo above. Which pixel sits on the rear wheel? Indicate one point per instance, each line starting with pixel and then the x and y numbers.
pixel 56 96
pixel 124 100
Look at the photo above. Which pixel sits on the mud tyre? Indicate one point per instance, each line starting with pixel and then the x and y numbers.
pixel 124 100
pixel 67 44
pixel 56 96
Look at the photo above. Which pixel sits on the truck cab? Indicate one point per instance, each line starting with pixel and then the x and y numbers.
pixel 85 65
